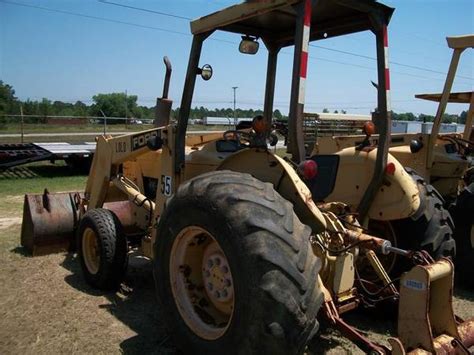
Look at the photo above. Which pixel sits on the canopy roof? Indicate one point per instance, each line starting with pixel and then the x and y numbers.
pixel 274 20
pixel 455 97
pixel 461 42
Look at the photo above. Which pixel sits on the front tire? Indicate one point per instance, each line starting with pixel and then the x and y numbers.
pixel 102 249
pixel 272 274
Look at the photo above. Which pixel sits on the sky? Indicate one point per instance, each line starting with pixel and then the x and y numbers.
pixel 46 51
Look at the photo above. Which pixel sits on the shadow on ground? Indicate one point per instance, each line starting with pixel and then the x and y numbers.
pixel 20 251
pixel 464 293
pixel 44 170
pixel 52 170
pixel 368 321
pixel 134 305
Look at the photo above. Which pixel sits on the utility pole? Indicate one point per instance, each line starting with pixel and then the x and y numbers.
pixel 22 122
pixel 235 113
pixel 105 121
pixel 126 109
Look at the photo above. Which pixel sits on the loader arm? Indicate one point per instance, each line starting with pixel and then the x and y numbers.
pixel 110 153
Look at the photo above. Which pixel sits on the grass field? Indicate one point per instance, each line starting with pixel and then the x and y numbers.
pixel 82 133
pixel 47 308
pixel 56 128
pixel 34 178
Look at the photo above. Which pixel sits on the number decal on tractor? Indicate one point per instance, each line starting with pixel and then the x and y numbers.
pixel 120 147
pixel 166 185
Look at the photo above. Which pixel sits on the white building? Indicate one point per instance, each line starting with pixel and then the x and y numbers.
pixel 229 121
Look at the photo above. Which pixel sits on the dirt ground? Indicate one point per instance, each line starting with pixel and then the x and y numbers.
pixel 46 307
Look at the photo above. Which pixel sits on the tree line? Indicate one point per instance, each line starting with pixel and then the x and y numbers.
pixel 126 106
pixel 110 105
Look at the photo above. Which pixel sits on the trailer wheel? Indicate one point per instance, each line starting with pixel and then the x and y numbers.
pixel 463 213
pixel 234 270
pixel 430 228
pixel 102 249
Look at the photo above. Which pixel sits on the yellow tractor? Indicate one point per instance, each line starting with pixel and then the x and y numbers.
pixel 244 260
pixel 446 160
pixel 441 159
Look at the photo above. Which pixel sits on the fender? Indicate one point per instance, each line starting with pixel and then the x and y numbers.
pixel 268 167
pixel 397 198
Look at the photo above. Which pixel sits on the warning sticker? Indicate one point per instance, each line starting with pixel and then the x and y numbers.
pixel 415 285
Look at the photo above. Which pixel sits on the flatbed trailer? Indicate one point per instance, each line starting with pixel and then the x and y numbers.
pixel 77 155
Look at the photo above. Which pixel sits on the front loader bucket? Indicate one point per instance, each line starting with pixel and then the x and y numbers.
pixel 49 221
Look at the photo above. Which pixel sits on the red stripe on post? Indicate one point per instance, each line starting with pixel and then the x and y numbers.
pixel 307 13
pixel 387 79
pixel 304 65
pixel 385 36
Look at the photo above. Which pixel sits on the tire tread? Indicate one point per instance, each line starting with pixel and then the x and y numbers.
pixel 113 245
pixel 288 271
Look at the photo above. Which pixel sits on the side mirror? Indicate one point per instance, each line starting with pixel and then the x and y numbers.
pixel 206 72
pixel 248 45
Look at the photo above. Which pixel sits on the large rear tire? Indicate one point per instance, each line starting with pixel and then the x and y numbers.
pixel 463 214
pixel 272 295
pixel 102 249
pixel 430 228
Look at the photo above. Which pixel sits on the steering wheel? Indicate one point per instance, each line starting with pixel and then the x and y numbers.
pixel 239 136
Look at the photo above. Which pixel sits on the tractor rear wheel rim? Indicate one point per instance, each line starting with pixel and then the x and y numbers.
pixel 90 251
pixel 201 282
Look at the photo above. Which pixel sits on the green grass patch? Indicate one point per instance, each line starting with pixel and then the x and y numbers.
pixel 55 128
pixel 33 179
pixel 87 130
